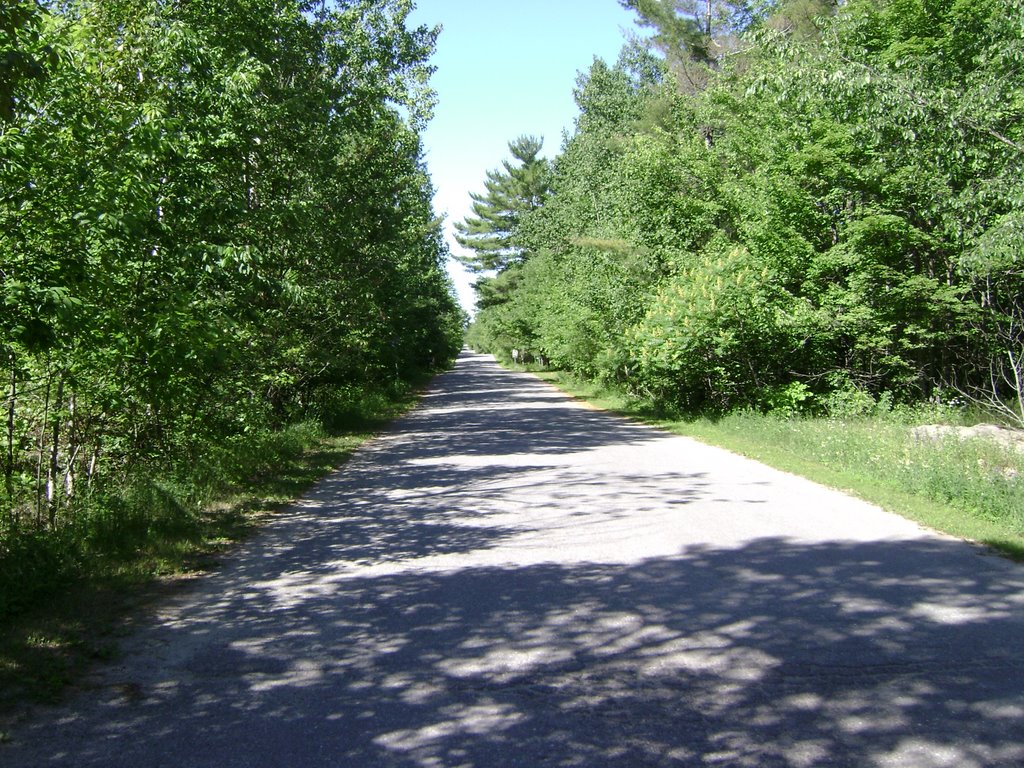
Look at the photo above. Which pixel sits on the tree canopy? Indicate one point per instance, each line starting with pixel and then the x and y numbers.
pixel 832 216
pixel 215 221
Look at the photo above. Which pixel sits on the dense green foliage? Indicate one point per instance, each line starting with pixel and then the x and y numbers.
pixel 834 212
pixel 214 222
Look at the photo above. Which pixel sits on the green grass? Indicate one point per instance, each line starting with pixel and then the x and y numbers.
pixel 971 489
pixel 96 579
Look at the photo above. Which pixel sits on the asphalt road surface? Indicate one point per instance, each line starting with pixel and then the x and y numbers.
pixel 508 578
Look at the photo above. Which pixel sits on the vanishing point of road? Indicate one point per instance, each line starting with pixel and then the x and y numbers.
pixel 508 578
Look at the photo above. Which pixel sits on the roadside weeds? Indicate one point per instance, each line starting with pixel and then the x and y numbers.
pixel 49 647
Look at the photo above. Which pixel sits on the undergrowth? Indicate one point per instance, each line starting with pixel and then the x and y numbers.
pixel 66 593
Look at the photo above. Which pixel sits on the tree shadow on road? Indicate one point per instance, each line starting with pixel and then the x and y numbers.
pixel 478 408
pixel 775 653
pixel 412 619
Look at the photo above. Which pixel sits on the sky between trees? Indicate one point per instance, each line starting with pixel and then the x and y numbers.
pixel 504 70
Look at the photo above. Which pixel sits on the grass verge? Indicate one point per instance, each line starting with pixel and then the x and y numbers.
pixel 48 645
pixel 972 489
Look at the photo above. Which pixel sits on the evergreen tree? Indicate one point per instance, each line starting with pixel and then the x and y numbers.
pixel 694 35
pixel 518 187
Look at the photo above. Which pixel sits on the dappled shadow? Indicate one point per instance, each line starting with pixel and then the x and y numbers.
pixel 478 408
pixel 500 605
pixel 771 654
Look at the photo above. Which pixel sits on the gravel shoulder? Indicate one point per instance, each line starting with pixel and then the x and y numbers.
pixel 508 578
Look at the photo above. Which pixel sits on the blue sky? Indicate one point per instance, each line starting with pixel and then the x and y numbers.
pixel 505 69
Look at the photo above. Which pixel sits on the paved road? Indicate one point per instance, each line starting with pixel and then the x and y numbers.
pixel 508 578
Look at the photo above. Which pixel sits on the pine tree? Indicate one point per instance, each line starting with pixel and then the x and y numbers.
pixel 694 35
pixel 519 186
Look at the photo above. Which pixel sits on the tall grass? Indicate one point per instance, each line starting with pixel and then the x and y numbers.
pixel 157 516
pixel 974 487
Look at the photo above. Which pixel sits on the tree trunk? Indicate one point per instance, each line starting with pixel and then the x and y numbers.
pixel 9 457
pixel 41 450
pixel 74 446
pixel 90 469
pixel 52 500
